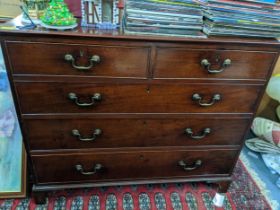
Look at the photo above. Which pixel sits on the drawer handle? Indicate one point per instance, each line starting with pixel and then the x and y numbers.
pixel 192 167
pixel 97 167
pixel 206 64
pixel 204 133
pixel 94 98
pixel 94 59
pixel 97 132
pixel 215 98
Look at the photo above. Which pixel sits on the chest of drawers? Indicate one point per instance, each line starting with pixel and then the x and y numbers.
pixel 110 109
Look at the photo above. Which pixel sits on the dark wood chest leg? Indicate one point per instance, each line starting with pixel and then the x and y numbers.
pixel 223 186
pixel 40 197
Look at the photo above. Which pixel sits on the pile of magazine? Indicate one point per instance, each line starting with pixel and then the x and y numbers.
pixel 249 18
pixel 164 17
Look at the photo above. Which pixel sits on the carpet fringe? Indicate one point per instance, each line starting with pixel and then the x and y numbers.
pixel 273 203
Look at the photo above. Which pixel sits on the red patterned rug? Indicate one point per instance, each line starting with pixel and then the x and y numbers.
pixel 243 194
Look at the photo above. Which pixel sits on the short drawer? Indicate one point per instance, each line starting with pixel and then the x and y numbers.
pixel 136 98
pixel 47 134
pixel 107 166
pixel 73 59
pixel 211 64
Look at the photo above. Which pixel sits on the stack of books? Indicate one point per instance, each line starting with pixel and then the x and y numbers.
pixel 164 17
pixel 248 18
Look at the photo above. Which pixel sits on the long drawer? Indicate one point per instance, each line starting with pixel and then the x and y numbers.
pixel 136 98
pixel 46 134
pixel 106 166
pixel 83 60
pixel 212 64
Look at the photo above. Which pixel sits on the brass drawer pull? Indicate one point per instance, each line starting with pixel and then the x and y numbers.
pixel 192 167
pixel 94 59
pixel 198 97
pixel 204 133
pixel 206 64
pixel 97 132
pixel 97 167
pixel 94 98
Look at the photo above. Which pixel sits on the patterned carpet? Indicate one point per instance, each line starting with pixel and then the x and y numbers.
pixel 243 194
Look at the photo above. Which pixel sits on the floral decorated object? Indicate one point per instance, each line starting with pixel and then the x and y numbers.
pixel 267 143
pixel 35 8
pixel 268 133
pixel 58 14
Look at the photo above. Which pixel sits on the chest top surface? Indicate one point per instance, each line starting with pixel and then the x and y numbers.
pixel 9 29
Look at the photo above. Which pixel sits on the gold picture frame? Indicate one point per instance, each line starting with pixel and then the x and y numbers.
pixel 23 191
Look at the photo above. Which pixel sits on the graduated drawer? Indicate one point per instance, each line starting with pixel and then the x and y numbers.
pixel 47 134
pixel 188 63
pixel 136 98
pixel 50 59
pixel 131 165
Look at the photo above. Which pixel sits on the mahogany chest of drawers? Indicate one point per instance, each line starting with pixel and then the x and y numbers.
pixel 110 109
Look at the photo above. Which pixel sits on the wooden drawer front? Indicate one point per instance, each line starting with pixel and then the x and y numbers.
pixel 131 165
pixel 115 61
pixel 61 134
pixel 54 98
pixel 180 63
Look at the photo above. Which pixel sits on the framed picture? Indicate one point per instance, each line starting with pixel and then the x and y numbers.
pixel 13 170
pixel 104 14
pixel 21 191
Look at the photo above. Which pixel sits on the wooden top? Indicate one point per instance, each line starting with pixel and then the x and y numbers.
pixel 10 29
